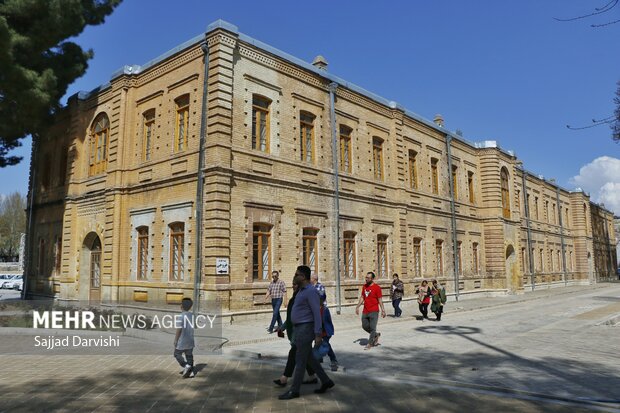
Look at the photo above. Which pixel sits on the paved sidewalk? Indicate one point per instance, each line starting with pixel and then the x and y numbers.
pixel 152 384
pixel 244 332
pixel 544 351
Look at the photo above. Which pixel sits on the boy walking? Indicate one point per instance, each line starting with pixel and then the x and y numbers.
pixel 184 339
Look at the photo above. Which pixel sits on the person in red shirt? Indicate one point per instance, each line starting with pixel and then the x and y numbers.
pixel 371 298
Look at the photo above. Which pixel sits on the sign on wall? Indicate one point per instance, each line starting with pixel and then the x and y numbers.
pixel 221 265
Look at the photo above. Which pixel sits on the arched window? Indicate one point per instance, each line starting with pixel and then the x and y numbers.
pixel 181 128
pixel 505 193
pixel 349 254
pixel 260 123
pixel 261 251
pixel 306 136
pixel 148 119
pixel 99 141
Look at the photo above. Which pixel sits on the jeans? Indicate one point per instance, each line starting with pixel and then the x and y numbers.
pixel 330 353
pixel 396 305
pixel 369 324
pixel 275 304
pixel 189 355
pixel 304 335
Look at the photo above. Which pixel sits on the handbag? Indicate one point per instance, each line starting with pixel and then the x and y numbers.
pixel 321 351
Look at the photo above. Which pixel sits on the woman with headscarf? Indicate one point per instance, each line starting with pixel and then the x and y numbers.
pixel 424 298
pixel 438 293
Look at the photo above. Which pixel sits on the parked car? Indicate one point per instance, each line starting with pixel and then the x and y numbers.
pixel 15 283
pixel 11 281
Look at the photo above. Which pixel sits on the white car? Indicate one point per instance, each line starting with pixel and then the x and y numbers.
pixel 15 282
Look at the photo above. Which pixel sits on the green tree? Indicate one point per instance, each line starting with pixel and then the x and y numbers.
pixel 12 224
pixel 37 63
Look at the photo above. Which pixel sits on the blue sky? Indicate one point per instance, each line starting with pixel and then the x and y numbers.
pixel 496 70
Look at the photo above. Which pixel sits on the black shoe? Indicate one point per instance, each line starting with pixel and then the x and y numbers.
pixel 310 381
pixel 289 395
pixel 324 387
pixel 279 383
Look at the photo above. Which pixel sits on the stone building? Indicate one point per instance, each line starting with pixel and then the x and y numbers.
pixel 297 166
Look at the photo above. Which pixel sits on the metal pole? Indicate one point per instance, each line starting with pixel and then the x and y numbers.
pixel 529 229
pixel 453 214
pixel 200 183
pixel 332 114
pixel 557 196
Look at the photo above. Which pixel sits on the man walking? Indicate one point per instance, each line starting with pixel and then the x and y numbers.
pixel 371 298
pixel 320 288
pixel 306 317
pixel 396 294
pixel 277 292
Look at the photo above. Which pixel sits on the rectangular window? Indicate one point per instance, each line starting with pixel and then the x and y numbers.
pixel 417 257
pixel 260 123
pixel 533 257
pixel 306 136
pixel 177 251
pixel 536 207
pixel 349 254
pixel 434 176
pixel 310 251
pixel 345 149
pixel 261 252
pixel 542 260
pixel 439 256
pixel 143 253
pixel 147 139
pixel 523 264
pixel 455 191
pixel 413 170
pixel 377 155
pixel 470 186
pixel 181 124
pixel 475 266
pixel 382 256
pixel 459 258
pixel 58 255
pixel 551 257
pixel 518 200
pixel 553 219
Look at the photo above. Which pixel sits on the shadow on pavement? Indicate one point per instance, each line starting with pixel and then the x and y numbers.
pixel 141 383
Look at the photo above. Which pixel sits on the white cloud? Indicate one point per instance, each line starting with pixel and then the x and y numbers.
pixel 601 178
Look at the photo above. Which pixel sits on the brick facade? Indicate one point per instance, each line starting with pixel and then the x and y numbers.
pixel 380 208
